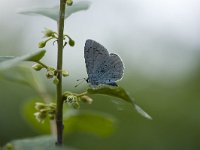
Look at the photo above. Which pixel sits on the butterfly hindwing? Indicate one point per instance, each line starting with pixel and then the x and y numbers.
pixel 111 70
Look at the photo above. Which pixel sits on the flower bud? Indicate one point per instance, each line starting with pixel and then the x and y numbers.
pixel 71 99
pixel 86 99
pixel 40 116
pixel 9 146
pixel 65 73
pixel 48 32
pixel 76 105
pixel 42 44
pixel 69 2
pixel 37 67
pixel 45 110
pixel 52 106
pixel 50 74
pixel 56 81
pixel 39 106
pixel 71 42
pixel 65 95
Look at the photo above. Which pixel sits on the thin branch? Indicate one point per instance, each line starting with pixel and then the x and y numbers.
pixel 59 110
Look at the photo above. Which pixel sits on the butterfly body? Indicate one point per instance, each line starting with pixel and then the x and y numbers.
pixel 102 67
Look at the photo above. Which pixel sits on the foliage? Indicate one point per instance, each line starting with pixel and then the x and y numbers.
pixel 120 93
pixel 36 143
pixel 9 61
pixel 53 12
pixel 97 123
pixel 48 113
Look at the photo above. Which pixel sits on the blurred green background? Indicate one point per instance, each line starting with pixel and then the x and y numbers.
pixel 159 44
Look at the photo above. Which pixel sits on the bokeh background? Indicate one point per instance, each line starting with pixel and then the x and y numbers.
pixel 159 44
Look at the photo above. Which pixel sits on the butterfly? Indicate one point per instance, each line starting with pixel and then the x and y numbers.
pixel 102 67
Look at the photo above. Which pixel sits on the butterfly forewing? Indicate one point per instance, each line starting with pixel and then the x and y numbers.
pixel 94 54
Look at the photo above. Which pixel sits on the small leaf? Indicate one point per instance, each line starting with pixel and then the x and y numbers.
pixel 120 93
pixel 99 124
pixel 15 60
pixel 35 56
pixel 37 143
pixel 19 74
pixel 53 12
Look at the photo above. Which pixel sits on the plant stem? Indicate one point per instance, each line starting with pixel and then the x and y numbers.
pixel 59 110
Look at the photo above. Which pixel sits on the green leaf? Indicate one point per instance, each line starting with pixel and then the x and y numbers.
pixel 15 60
pixel 19 74
pixel 28 111
pixel 99 124
pixel 53 12
pixel 120 93
pixel 35 56
pixel 112 91
pixel 36 143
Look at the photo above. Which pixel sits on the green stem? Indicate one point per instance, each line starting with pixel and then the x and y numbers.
pixel 67 36
pixel 45 66
pixel 81 94
pixel 59 110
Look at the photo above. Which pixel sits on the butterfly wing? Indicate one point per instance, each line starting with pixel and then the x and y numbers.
pixel 95 54
pixel 111 70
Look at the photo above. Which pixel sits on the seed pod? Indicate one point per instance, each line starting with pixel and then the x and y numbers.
pixel 71 42
pixel 42 44
pixel 37 67
pixel 56 81
pixel 86 99
pixel 69 2
pixel 50 74
pixel 65 73
pixel 48 32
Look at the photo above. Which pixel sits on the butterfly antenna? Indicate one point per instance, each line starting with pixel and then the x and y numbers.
pixel 82 80
pixel 78 80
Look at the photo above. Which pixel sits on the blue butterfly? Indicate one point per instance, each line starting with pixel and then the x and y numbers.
pixel 102 67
